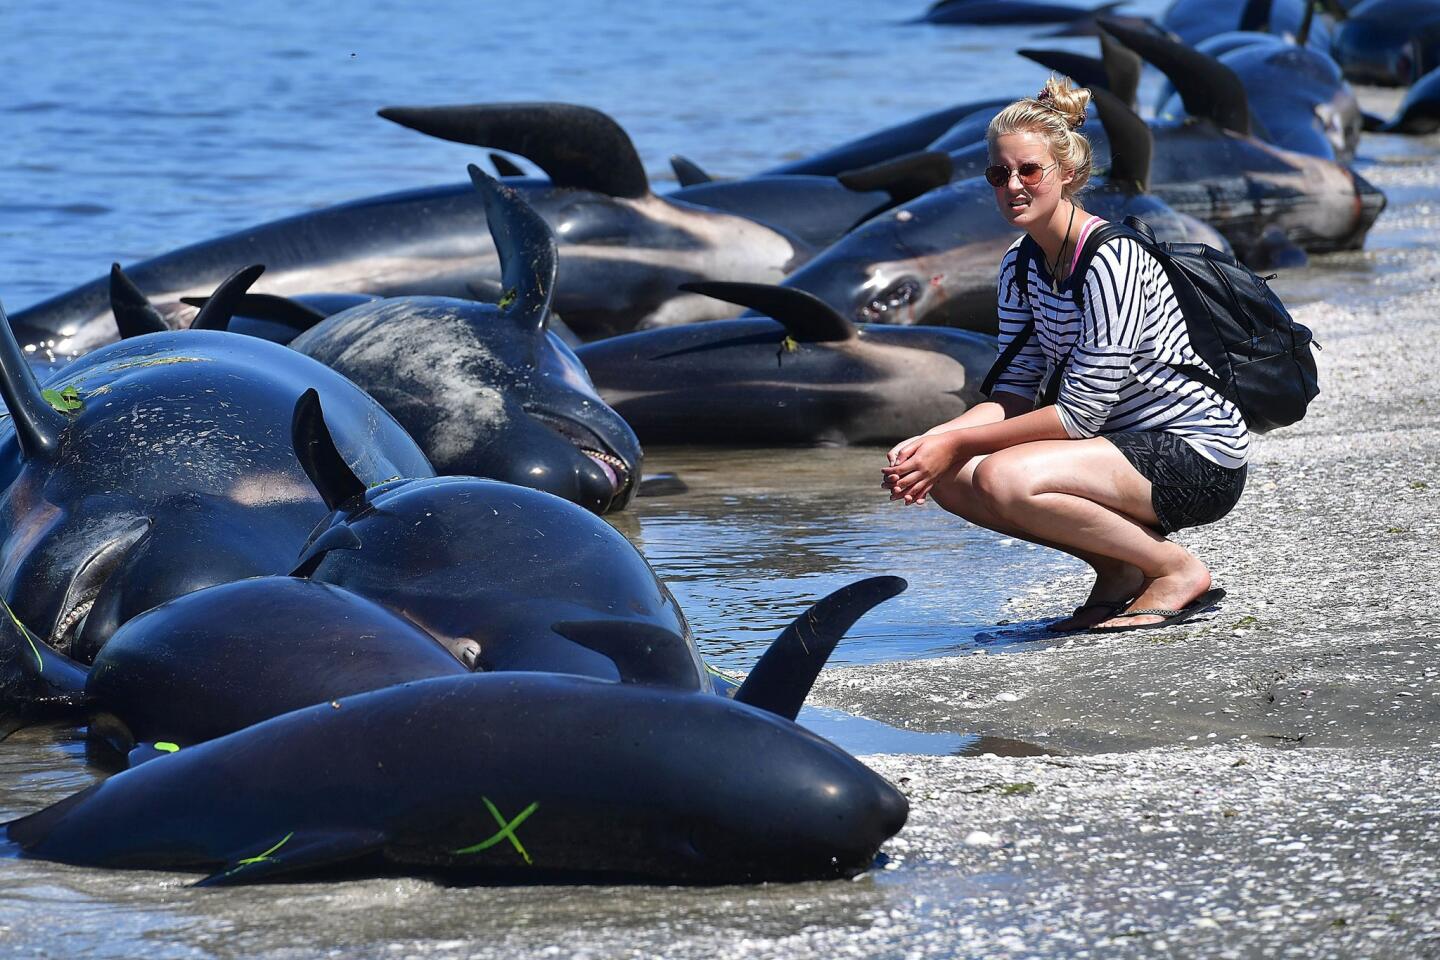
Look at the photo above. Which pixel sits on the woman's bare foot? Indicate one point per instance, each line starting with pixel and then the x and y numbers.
pixel 1113 590
pixel 1173 590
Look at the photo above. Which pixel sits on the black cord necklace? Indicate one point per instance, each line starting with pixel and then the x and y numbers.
pixel 1055 267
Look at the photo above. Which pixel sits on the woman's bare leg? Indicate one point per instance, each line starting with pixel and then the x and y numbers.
pixel 1083 497
pixel 1116 582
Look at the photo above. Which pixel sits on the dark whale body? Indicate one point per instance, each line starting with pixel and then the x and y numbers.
pixel 220 659
pixel 618 237
pixel 498 778
pixel 487 390
pixel 510 569
pixel 172 469
pixel 808 376
pixel 1390 43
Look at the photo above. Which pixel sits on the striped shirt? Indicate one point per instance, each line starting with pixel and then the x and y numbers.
pixel 1121 346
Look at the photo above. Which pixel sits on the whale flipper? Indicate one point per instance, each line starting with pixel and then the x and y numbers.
pixel 642 652
pixel 904 178
pixel 783 677
pixel 577 147
pixel 504 166
pixel 296 851
pixel 38 425
pixel 222 304
pixel 688 172
pixel 805 316
pixel 338 537
pixel 315 448
pixel 135 316
pixel 267 306
pixel 1206 86
pixel 526 246
pixel 37 683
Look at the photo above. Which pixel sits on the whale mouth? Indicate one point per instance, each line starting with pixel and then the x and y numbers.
pixel 90 578
pixel 616 470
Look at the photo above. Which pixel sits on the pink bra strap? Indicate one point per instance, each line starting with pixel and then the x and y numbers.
pixel 1080 242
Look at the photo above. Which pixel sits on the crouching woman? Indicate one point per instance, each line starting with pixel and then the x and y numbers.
pixel 1130 450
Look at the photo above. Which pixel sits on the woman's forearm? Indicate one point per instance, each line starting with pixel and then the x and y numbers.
pixel 1042 424
pixel 990 411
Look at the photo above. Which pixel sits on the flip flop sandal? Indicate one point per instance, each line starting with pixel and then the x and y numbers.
pixel 1200 604
pixel 1112 607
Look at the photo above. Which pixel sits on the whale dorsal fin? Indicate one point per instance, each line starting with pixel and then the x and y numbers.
pixel 1131 142
pixel 805 316
pixel 135 315
pixel 1117 69
pixel 504 166
pixel 221 304
pixel 526 246
pixel 315 448
pixel 688 172
pixel 38 425
pixel 904 178
pixel 1206 86
pixel 576 146
pixel 267 306
pixel 785 673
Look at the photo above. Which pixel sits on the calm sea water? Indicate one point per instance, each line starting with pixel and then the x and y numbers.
pixel 131 128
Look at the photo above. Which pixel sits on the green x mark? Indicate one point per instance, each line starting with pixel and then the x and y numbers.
pixel 506 832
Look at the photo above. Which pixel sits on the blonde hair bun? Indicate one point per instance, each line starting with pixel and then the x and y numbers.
pixel 1066 99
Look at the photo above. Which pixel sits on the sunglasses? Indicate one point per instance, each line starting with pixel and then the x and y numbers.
pixel 1029 172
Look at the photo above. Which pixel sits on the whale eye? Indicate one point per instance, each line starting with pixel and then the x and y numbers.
pixel 884 307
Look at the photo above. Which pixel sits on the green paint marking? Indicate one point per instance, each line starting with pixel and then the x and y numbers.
pixel 509 298
pixel 261 858
pixel 39 662
pixel 507 831
pixel 66 401
pixel 165 746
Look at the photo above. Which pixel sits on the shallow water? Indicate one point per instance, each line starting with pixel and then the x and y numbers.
pixel 134 128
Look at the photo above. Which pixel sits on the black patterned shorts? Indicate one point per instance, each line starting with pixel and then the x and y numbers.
pixel 1187 489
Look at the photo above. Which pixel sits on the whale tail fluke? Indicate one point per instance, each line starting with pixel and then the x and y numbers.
pixel 526 246
pixel 784 675
pixel 37 683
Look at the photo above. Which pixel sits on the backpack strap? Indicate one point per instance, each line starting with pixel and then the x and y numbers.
pixel 1024 257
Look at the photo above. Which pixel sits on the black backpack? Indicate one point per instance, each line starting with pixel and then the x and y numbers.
pixel 1237 325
